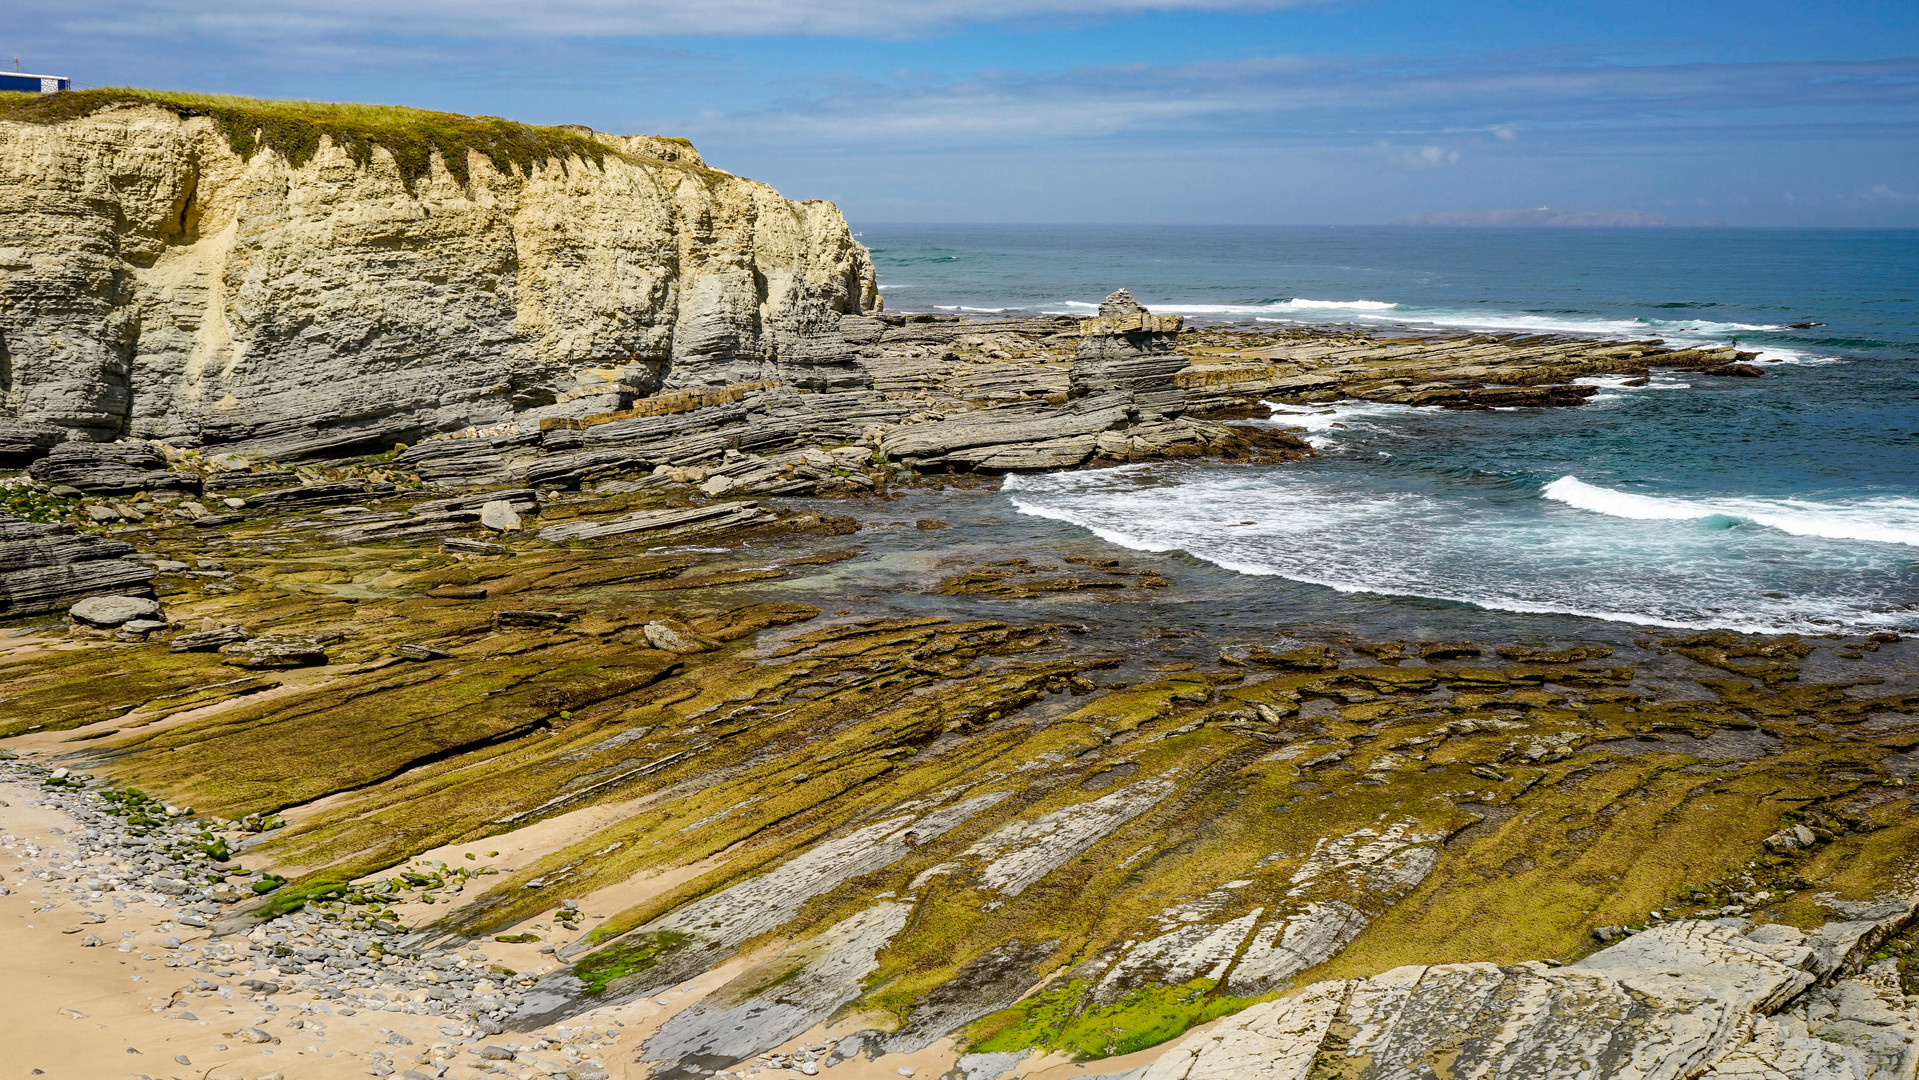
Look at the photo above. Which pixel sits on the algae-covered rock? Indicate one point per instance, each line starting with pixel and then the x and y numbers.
pixel 275 651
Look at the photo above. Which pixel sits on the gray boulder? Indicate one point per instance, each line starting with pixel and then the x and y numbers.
pixel 667 639
pixel 498 515
pixel 107 612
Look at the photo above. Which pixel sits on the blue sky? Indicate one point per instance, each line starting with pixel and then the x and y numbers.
pixel 1349 111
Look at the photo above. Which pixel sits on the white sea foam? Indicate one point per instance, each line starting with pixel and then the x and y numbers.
pixel 1322 421
pixel 1318 528
pixel 1302 304
pixel 1891 520
pixel 1270 308
pixel 1687 333
pixel 1626 383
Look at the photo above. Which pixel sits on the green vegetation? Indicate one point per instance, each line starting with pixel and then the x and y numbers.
pixel 1147 1016
pixel 28 503
pixel 602 968
pixel 293 129
pixel 139 808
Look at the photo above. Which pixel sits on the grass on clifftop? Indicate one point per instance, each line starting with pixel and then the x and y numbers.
pixel 293 129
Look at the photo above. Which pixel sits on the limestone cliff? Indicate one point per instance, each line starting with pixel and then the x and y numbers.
pixel 156 283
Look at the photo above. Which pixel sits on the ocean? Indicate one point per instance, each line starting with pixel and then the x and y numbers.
pixel 1787 503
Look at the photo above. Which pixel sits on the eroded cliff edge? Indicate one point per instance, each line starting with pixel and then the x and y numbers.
pixel 155 282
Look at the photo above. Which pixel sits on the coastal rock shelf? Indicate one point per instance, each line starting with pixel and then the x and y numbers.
pixel 623 773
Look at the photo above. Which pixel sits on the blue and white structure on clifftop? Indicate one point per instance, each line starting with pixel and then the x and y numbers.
pixel 34 84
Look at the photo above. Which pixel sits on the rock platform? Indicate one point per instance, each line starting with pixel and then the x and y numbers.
pixel 745 739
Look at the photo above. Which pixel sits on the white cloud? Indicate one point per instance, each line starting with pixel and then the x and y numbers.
pixel 1429 156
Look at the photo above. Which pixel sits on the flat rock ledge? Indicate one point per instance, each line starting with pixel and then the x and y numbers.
pixel 1691 999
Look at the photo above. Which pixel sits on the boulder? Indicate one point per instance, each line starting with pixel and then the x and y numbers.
pixel 1790 840
pixel 498 515
pixel 138 629
pixel 667 639
pixel 275 651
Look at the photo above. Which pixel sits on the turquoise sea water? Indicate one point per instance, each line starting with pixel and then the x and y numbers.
pixel 1784 503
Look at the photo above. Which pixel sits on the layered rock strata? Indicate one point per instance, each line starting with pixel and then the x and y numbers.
pixel 47 567
pixel 1129 349
pixel 1677 1002
pixel 155 283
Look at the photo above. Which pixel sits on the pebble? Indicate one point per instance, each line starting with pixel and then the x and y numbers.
pixel 349 959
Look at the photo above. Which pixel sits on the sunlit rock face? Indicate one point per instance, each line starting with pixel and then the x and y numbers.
pixel 153 283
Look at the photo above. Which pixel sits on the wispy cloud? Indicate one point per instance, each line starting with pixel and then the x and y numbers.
pixel 479 19
pixel 1418 112
pixel 1429 156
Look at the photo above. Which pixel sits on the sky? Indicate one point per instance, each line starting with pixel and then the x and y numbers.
pixel 1756 112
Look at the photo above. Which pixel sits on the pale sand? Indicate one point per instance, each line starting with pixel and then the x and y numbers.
pixel 44 971
pixel 121 994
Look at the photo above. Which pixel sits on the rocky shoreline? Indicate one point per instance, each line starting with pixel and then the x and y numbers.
pixel 667 741
pixel 948 396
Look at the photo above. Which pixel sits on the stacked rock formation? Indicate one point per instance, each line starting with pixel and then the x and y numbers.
pixel 154 283
pixel 111 469
pixel 1131 350
pixel 46 568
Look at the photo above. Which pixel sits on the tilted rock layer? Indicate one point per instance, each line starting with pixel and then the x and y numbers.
pixel 154 283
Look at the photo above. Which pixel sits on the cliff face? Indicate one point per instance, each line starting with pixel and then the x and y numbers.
pixel 154 283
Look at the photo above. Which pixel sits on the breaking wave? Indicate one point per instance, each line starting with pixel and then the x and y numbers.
pixel 1880 520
